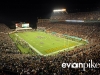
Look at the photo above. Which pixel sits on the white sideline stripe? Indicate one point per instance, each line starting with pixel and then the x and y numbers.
pixel 32 47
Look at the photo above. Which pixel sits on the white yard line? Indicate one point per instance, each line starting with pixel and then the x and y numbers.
pixel 31 46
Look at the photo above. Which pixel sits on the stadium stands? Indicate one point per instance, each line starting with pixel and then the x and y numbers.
pixel 88 30
pixel 12 62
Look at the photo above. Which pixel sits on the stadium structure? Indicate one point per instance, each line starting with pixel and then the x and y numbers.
pixel 80 24
pixel 64 38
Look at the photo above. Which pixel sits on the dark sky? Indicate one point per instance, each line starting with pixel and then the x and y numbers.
pixel 29 10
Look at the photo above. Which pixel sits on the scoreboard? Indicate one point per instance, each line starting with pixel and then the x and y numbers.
pixel 22 25
pixel 26 25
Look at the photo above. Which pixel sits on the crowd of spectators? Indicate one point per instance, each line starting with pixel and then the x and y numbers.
pixel 12 62
pixel 89 31
pixel 94 15
pixel 4 28
pixel 86 30
pixel 6 44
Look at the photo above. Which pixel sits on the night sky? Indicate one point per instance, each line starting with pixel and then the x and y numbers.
pixel 29 10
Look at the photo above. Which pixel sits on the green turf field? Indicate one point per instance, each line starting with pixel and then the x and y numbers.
pixel 45 43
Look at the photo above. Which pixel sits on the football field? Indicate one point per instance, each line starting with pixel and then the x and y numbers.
pixel 46 43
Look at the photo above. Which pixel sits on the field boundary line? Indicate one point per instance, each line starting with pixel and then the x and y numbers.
pixel 63 50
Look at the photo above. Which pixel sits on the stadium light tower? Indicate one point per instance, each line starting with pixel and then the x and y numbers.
pixel 59 10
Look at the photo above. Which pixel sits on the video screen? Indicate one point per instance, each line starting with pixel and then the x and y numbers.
pixel 26 25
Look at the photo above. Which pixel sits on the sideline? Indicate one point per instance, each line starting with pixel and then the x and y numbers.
pixel 30 45
pixel 63 49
